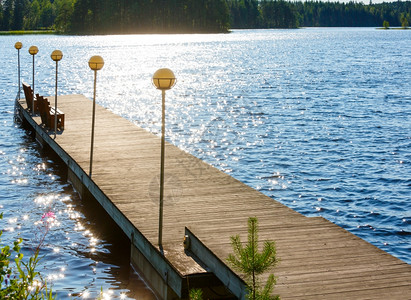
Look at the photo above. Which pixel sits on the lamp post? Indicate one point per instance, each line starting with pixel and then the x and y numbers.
pixel 95 63
pixel 18 46
pixel 163 79
pixel 56 55
pixel 33 50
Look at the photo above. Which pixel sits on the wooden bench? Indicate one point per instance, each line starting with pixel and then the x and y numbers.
pixel 47 114
pixel 28 93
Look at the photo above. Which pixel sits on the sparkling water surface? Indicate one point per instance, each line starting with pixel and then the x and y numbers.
pixel 318 119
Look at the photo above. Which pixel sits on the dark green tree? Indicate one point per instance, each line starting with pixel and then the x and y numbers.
pixel 64 12
pixel 386 24
pixel 404 20
pixel 316 13
pixel 32 19
pixel 47 16
pixel 244 13
pixel 7 14
pixel 217 16
pixel 18 12
pixel 278 14
pixel 1 16
pixel 84 16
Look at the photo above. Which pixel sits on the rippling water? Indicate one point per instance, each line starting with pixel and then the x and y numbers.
pixel 318 119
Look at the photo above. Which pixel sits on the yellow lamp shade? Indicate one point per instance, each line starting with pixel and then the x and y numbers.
pixel 164 79
pixel 56 55
pixel 33 50
pixel 96 63
pixel 18 45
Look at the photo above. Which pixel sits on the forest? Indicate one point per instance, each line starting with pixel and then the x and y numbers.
pixel 185 16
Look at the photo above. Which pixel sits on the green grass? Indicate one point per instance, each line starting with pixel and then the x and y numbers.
pixel 20 32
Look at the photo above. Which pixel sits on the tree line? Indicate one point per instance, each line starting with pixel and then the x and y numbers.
pixel 284 14
pixel 353 14
pixel 174 16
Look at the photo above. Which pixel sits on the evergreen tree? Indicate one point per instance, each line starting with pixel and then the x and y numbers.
pixel 7 14
pixel 1 16
pixel 249 261
pixel 404 21
pixel 64 12
pixel 18 10
pixel 135 16
pixel 32 19
pixel 386 24
pixel 278 14
pixel 47 16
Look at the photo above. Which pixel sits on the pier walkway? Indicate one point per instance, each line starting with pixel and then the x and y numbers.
pixel 319 260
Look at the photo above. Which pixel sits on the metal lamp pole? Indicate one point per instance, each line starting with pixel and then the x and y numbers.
pixel 95 63
pixel 56 55
pixel 18 46
pixel 33 50
pixel 163 79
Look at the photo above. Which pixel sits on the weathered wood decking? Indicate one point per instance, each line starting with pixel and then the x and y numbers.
pixel 319 260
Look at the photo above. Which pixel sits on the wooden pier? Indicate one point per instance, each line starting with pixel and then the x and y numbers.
pixel 319 260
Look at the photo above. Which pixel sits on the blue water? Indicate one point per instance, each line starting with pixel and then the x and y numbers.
pixel 317 119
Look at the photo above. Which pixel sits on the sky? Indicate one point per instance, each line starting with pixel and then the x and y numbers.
pixel 359 1
pixel 374 1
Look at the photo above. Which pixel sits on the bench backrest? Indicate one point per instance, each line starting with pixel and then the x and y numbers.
pixel 44 108
pixel 28 93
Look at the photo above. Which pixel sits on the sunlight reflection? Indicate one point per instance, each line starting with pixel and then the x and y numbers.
pixel 40 167
pixel 12 220
pixel 45 200
pixel 78 227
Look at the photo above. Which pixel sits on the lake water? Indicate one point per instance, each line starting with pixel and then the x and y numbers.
pixel 318 119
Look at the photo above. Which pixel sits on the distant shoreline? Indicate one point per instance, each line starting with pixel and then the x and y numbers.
pixel 394 28
pixel 21 32
pixel 53 32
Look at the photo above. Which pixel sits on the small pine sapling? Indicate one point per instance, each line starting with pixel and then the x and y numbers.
pixel 252 263
pixel 196 294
